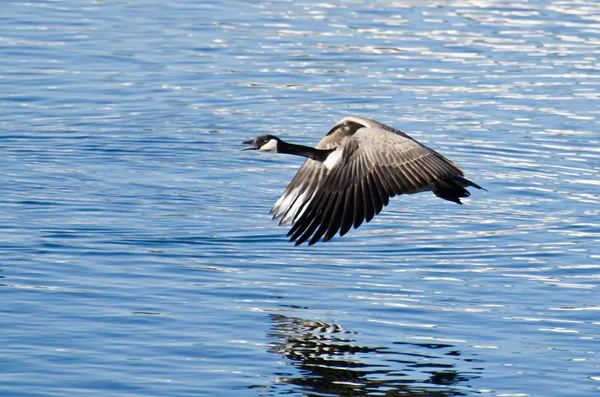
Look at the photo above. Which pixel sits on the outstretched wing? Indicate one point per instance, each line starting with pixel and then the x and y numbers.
pixel 308 179
pixel 377 163
pixel 300 191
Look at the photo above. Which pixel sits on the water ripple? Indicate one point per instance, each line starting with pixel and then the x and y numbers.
pixel 135 234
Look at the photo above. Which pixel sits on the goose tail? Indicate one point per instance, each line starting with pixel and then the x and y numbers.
pixel 453 189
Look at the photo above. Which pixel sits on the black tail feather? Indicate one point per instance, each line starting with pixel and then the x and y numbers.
pixel 464 182
pixel 453 189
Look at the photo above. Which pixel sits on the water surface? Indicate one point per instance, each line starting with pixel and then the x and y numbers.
pixel 138 256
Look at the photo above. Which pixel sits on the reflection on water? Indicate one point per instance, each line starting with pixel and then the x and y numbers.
pixel 332 362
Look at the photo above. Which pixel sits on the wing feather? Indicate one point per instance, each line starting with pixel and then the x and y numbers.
pixel 327 212
pixel 336 217
pixel 348 211
pixel 359 205
pixel 300 191
pixel 378 163
pixel 367 199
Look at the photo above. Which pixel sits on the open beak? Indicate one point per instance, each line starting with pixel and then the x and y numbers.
pixel 251 142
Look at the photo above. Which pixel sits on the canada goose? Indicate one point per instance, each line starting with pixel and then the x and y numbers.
pixel 351 175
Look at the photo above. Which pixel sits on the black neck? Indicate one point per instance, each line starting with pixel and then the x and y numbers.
pixel 304 151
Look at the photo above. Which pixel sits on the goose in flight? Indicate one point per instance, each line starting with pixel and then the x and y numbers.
pixel 351 174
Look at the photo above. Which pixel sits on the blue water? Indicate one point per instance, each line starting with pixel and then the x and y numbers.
pixel 138 257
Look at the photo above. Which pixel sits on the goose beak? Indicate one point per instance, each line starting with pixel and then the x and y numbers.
pixel 250 142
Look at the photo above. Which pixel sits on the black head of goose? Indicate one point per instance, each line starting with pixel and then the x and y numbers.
pixel 351 174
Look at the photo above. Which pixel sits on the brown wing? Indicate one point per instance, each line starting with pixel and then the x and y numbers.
pixel 377 164
pixel 300 191
pixel 308 179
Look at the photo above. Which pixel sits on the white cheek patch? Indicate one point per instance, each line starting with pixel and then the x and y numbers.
pixel 270 146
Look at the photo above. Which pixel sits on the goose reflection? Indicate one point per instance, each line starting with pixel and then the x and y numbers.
pixel 332 363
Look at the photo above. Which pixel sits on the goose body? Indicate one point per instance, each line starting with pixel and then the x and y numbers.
pixel 351 174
